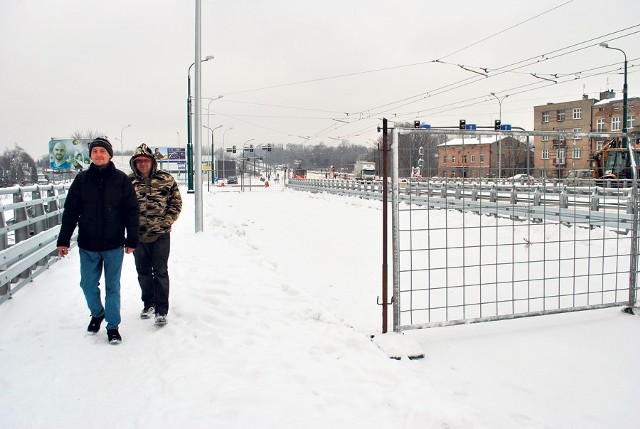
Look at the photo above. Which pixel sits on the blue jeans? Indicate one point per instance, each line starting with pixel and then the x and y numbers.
pixel 153 274
pixel 91 264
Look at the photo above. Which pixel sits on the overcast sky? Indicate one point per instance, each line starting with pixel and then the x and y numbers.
pixel 294 71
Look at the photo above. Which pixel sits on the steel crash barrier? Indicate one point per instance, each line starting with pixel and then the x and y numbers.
pixel 29 226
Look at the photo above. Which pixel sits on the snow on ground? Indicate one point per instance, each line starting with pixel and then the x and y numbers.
pixel 272 310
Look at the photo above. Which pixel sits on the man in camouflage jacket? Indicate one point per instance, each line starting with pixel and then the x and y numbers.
pixel 160 205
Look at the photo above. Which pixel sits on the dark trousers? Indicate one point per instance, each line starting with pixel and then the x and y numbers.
pixel 153 275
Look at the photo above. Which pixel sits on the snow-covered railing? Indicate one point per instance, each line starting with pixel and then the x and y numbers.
pixel 551 200
pixel 29 226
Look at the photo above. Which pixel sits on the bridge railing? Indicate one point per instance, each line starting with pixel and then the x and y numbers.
pixel 29 226
pixel 592 205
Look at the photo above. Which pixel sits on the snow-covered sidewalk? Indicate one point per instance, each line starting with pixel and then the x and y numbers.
pixel 272 309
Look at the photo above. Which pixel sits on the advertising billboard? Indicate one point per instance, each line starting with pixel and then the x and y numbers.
pixel 173 154
pixel 69 154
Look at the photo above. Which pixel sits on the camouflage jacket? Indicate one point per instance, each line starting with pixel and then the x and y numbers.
pixel 159 199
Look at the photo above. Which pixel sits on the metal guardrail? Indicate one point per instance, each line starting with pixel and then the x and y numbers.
pixel 552 201
pixel 29 226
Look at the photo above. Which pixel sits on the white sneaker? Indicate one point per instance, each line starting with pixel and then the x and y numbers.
pixel 161 319
pixel 147 312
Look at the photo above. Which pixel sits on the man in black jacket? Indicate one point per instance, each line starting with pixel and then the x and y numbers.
pixel 102 203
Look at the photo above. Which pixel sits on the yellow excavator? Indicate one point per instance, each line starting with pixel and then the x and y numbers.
pixel 612 165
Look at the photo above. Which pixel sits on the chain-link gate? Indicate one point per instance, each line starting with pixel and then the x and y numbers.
pixel 487 226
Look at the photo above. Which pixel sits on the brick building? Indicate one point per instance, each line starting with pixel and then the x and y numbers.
pixel 478 157
pixel 555 157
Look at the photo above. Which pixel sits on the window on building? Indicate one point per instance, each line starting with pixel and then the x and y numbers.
pixel 615 123
pixel 560 115
pixel 482 158
pixel 577 153
pixel 577 113
pixel 577 130
pixel 545 117
pixel 453 159
pixel 560 155
pixel 473 159
pixel 599 144
pixel 545 138
pixel 464 159
pixel 600 127
pixel 545 153
pixel 630 121
pixel 444 159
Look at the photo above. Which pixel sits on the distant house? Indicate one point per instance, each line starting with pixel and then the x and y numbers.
pixel 484 156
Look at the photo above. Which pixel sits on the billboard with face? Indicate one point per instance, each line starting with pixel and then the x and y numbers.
pixel 69 154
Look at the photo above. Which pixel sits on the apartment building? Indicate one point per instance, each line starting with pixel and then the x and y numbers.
pixel 607 115
pixel 555 157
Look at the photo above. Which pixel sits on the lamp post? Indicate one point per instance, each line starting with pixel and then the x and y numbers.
pixel 189 143
pixel 244 149
pixel 211 156
pixel 223 150
pixel 500 99
pixel 625 102
pixel 122 144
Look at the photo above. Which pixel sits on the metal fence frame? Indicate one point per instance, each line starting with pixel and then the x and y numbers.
pixel 512 213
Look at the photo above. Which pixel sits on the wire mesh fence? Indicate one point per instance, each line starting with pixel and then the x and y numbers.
pixel 490 227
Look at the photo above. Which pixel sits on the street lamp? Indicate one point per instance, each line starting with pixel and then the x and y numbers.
pixel 189 143
pixel 212 168
pixel 244 149
pixel 122 144
pixel 223 150
pixel 625 103
pixel 500 99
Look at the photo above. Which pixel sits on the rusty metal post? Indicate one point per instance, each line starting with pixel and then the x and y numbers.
pixel 385 205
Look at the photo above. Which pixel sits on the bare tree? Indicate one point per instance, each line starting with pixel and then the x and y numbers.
pixel 87 134
pixel 17 167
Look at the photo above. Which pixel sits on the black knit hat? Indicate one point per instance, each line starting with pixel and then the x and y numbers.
pixel 102 142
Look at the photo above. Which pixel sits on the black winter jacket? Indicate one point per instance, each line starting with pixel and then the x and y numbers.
pixel 103 204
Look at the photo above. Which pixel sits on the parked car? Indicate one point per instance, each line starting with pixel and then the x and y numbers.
pixel 524 179
pixel 232 180
pixel 580 178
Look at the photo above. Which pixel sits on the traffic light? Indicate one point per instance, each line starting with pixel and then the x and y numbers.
pixel 496 124
pixel 420 151
pixel 420 162
pixel 463 124
pixel 416 124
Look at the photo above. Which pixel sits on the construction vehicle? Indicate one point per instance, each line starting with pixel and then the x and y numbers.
pixel 298 172
pixel 612 167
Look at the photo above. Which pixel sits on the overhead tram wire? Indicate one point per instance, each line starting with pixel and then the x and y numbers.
pixel 398 66
pixel 506 29
pixel 367 113
pixel 407 116
pixel 494 72
pixel 498 71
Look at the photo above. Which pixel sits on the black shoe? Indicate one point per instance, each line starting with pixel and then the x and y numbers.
pixel 114 336
pixel 161 319
pixel 147 312
pixel 94 325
